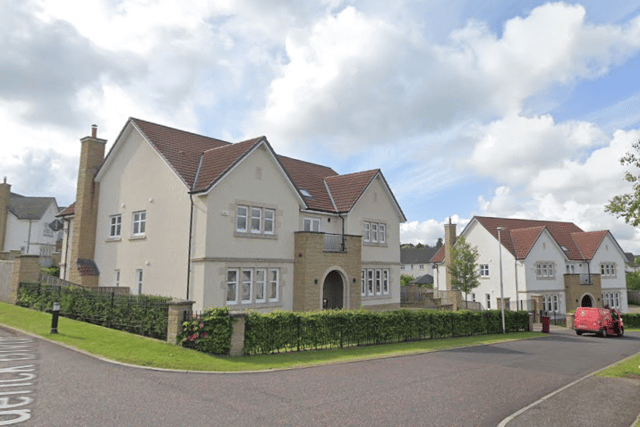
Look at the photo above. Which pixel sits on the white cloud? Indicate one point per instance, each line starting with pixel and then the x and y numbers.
pixel 428 232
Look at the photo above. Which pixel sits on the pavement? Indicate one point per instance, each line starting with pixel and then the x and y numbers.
pixel 588 401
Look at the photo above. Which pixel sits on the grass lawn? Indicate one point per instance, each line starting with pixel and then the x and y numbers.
pixel 136 350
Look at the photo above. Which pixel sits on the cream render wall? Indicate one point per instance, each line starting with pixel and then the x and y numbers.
pixel 609 252
pixel 376 205
pixel 256 181
pixel 18 232
pixel 138 179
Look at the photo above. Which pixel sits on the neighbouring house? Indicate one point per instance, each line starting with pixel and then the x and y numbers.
pixel 28 224
pixel 632 266
pixel 546 265
pixel 425 280
pixel 416 262
pixel 174 213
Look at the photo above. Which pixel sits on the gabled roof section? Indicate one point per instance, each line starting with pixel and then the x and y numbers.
pixel 439 256
pixel 561 232
pixel 417 255
pixel 180 149
pixel 347 189
pixel 217 161
pixel 68 211
pixel 589 242
pixel 29 208
pixel 522 240
pixel 310 177
pixel 427 279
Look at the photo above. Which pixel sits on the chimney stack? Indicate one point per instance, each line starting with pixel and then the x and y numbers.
pixel 449 241
pixel 86 210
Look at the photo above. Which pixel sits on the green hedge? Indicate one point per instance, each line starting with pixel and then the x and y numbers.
pixel 288 331
pixel 209 332
pixel 139 314
pixel 631 320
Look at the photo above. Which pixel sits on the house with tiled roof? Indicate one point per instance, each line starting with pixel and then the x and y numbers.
pixel 546 265
pixel 173 213
pixel 416 262
pixel 28 224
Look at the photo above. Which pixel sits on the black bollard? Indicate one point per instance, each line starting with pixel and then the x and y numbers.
pixel 54 319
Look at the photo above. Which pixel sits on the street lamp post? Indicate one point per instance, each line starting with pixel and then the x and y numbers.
pixel 501 287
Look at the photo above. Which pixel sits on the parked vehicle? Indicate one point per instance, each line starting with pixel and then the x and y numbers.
pixel 601 321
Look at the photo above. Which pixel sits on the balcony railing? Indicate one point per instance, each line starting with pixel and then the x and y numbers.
pixel 335 243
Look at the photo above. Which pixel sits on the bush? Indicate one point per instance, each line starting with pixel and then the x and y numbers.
pixel 288 331
pixel 631 320
pixel 209 332
pixel 139 314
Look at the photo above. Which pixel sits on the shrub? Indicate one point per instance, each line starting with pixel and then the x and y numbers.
pixel 631 320
pixel 209 332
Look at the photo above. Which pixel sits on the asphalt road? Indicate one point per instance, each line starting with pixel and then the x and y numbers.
pixel 477 386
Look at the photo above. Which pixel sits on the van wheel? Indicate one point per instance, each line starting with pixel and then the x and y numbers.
pixel 579 332
pixel 621 333
pixel 604 333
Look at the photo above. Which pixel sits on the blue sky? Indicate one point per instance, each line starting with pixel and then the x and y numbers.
pixel 498 108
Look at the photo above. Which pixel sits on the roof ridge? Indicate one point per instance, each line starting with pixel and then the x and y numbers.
pixel 235 144
pixel 179 130
pixel 307 162
pixel 354 173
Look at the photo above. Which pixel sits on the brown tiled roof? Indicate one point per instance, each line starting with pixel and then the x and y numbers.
pixel 181 149
pixel 87 267
pixel 347 189
pixel 560 231
pixel 589 242
pixel 522 239
pixel 69 210
pixel 439 256
pixel 217 161
pixel 310 178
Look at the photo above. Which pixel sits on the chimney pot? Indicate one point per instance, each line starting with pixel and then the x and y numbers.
pixel 94 131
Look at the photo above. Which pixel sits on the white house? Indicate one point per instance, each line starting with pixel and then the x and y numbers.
pixel 173 213
pixel 546 265
pixel 416 262
pixel 28 224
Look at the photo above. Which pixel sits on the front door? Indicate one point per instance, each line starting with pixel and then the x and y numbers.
pixel 586 301
pixel 332 293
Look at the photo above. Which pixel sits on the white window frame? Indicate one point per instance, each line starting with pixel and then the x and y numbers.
pixel 545 270
pixel 370 282
pixel 374 232
pixel 386 289
pixel 484 270
pixel 139 279
pixel 274 282
pixel 240 216
pixel 233 284
pixel 378 281
pixel 309 223
pixel 473 297
pixel 366 234
pixel 269 221
pixel 116 278
pixel 382 233
pixel 363 282
pixel 115 226
pixel 608 269
pixel 617 297
pixel 488 301
pixel 139 223
pixel 244 283
pixel 256 211
pixel 261 284
pixel 555 303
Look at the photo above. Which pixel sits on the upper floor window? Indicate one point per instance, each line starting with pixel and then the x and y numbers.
pixel 544 270
pixel 256 219
pixel 241 219
pixel 374 232
pixel 139 223
pixel 608 269
pixel 115 226
pixel 484 270
pixel 311 224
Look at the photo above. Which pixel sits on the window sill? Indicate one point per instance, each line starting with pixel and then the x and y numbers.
pixel 254 305
pixel 255 235
pixel 114 239
pixel 375 244
pixel 375 297
pixel 141 237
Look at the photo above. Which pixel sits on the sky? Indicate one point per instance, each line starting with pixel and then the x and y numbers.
pixel 509 108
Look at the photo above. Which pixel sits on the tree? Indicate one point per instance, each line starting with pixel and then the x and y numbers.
pixel 439 243
pixel 464 270
pixel 627 206
pixel 405 280
pixel 633 281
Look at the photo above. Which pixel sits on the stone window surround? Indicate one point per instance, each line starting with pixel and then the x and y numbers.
pixel 253 304
pixel 374 295
pixel 247 233
pixel 608 267
pixel 538 266
pixel 369 241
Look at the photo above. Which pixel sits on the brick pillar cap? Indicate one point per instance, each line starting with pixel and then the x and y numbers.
pixel 177 301
pixel 237 314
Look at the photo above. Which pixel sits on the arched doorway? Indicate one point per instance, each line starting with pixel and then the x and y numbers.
pixel 587 301
pixel 332 291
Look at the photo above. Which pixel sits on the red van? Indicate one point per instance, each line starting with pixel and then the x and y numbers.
pixel 601 321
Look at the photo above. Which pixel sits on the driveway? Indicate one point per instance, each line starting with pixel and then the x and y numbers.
pixel 476 386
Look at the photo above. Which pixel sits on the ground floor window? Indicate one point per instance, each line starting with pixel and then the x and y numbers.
pixel 612 299
pixel 488 296
pixel 253 285
pixel 375 281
